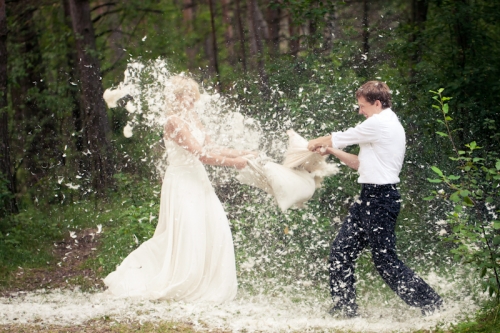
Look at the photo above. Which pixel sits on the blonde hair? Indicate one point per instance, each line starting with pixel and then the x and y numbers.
pixel 183 85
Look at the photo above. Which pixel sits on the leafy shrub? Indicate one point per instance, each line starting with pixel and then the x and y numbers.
pixel 473 191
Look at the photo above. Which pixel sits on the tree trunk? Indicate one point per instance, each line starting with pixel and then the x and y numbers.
pixel 38 143
pixel 227 18
pixel 5 166
pixel 419 16
pixel 273 24
pixel 366 28
pixel 284 45
pixel 72 77
pixel 241 36
pixel 329 30
pixel 96 126
pixel 462 34
pixel 256 33
pixel 366 61
pixel 188 16
pixel 293 32
pixel 252 38
pixel 213 59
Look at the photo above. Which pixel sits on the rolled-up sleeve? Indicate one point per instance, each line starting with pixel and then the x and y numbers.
pixel 367 131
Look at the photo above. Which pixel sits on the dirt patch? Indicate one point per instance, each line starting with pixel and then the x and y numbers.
pixel 105 326
pixel 66 271
pixel 102 327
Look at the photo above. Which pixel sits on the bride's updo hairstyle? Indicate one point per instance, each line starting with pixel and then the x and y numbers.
pixel 375 90
pixel 183 85
pixel 178 87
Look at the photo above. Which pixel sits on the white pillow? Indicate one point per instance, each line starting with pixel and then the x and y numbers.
pixel 290 187
pixel 298 156
pixel 253 175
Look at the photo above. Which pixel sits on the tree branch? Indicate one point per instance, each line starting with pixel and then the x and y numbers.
pixel 112 30
pixel 146 10
pixel 115 64
pixel 109 4
pixel 97 18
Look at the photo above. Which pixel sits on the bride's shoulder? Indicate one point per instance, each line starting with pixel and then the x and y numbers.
pixel 174 124
pixel 174 120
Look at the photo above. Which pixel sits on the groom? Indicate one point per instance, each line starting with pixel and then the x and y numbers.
pixel 372 219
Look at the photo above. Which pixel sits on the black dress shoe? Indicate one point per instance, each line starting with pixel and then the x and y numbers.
pixel 430 309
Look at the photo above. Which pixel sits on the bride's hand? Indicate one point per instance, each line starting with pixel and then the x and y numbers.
pixel 240 163
pixel 249 153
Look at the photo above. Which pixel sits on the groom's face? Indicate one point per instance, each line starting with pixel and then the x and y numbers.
pixel 366 109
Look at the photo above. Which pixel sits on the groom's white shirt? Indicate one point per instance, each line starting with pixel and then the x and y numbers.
pixel 382 143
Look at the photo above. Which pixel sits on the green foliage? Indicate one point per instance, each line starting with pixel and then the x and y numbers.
pixel 455 48
pixel 25 239
pixel 5 196
pixel 303 10
pixel 473 192
pixel 131 221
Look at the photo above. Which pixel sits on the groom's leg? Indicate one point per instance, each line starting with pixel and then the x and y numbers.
pixel 382 239
pixel 345 250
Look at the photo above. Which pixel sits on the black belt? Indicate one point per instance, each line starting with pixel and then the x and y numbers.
pixel 380 187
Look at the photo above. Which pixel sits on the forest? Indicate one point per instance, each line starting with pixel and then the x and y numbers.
pixel 67 170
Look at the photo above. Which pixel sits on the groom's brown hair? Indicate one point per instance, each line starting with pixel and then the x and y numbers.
pixel 375 90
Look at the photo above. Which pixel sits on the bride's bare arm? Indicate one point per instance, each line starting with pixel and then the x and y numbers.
pixel 177 131
pixel 227 152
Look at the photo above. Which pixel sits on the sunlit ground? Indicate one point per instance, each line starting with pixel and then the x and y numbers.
pixel 284 309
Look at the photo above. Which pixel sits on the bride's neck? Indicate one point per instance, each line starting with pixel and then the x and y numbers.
pixel 180 108
pixel 186 114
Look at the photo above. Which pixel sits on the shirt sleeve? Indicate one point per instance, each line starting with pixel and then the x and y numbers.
pixel 367 131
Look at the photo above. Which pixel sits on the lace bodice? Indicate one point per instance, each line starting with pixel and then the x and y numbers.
pixel 179 156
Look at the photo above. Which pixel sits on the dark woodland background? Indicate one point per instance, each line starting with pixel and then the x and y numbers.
pixel 58 56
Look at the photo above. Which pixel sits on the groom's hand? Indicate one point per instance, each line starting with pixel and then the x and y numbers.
pixel 322 142
pixel 323 151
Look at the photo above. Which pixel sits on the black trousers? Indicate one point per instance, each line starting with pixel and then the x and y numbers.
pixel 371 222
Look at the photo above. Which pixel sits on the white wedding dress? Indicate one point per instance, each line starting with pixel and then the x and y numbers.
pixel 191 255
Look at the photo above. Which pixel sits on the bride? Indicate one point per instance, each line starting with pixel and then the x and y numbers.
pixel 190 256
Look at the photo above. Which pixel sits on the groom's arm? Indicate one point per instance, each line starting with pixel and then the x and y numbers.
pixel 324 146
pixel 321 142
pixel 348 159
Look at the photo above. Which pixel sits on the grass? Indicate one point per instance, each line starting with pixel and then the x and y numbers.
pixel 487 321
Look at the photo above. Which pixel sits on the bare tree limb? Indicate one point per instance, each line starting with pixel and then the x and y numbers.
pixel 115 64
pixel 112 30
pixel 146 10
pixel 109 4
pixel 98 17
